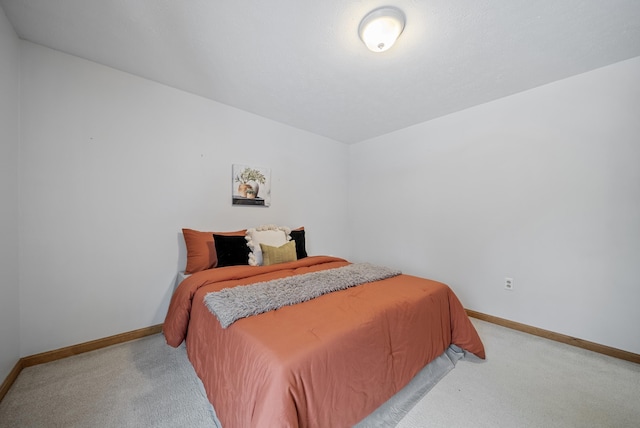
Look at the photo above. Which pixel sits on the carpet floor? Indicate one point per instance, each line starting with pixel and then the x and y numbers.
pixel 141 383
pixel 526 381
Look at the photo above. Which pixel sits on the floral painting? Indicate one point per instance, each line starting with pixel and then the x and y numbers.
pixel 251 185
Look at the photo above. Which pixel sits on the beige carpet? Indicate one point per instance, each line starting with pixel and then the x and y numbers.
pixel 526 381
pixel 142 383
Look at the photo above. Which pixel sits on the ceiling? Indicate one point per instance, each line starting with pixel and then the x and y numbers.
pixel 300 62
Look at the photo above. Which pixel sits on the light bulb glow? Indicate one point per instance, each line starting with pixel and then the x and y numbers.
pixel 380 29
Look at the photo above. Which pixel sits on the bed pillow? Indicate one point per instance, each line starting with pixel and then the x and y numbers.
pixel 274 255
pixel 272 235
pixel 201 251
pixel 231 250
pixel 297 235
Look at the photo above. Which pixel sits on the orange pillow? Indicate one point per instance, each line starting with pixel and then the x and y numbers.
pixel 201 250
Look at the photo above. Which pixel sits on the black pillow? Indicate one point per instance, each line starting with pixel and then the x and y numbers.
pixel 298 236
pixel 231 250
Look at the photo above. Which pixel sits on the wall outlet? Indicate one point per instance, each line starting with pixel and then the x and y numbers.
pixel 508 283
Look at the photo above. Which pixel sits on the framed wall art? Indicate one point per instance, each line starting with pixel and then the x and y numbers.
pixel 251 185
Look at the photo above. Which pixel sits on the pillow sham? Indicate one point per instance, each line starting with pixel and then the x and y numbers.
pixel 274 255
pixel 201 251
pixel 201 254
pixel 272 235
pixel 231 250
pixel 297 235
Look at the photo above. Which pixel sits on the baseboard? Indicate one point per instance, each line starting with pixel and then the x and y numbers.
pixel 580 343
pixel 11 377
pixel 57 354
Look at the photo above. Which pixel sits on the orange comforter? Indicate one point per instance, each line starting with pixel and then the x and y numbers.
pixel 329 361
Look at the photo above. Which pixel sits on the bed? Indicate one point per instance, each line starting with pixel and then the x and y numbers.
pixel 328 361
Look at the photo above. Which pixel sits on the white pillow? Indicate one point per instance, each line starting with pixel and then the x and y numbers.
pixel 270 234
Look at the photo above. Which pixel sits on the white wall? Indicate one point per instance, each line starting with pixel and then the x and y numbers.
pixel 113 166
pixel 9 157
pixel 542 186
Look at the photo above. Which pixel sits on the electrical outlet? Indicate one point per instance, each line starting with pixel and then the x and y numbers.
pixel 508 283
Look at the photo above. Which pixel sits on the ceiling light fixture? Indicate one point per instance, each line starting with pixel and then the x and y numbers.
pixel 380 29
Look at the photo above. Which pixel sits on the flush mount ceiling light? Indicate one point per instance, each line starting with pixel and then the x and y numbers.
pixel 380 29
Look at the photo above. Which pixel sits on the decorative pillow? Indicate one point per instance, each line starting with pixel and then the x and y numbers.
pixel 231 250
pixel 297 235
pixel 201 254
pixel 273 255
pixel 201 251
pixel 270 234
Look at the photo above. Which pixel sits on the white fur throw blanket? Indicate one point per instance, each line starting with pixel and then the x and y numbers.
pixel 231 304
